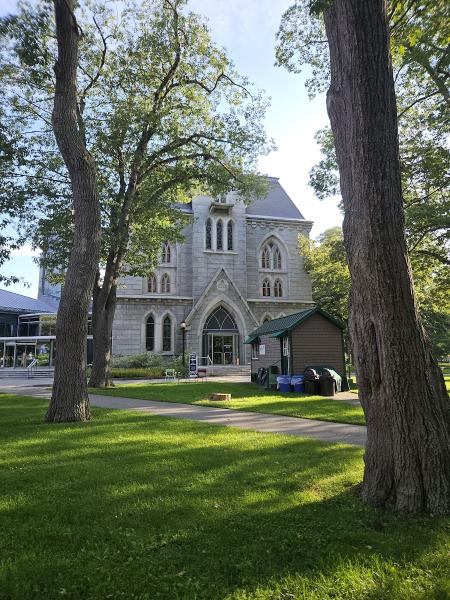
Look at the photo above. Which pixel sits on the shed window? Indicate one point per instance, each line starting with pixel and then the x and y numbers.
pixel 255 350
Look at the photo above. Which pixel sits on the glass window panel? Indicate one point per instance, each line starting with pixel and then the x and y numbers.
pixel 219 230
pixel 208 234
pixel 167 335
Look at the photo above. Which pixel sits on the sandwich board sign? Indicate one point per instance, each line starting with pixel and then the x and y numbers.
pixel 193 365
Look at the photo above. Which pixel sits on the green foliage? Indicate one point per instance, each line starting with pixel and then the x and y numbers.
pixel 145 359
pixel 325 262
pixel 164 113
pixel 148 507
pixel 420 33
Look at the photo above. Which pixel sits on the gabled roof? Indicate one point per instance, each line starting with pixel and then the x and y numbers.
pixel 275 204
pixel 11 302
pixel 283 324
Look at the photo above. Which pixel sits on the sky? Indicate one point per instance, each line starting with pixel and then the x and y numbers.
pixel 247 28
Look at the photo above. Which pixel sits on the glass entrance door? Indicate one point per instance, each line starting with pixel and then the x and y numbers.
pixel 222 349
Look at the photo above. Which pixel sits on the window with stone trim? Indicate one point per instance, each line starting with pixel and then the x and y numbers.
pixel 276 257
pixel 219 235
pixel 230 228
pixel 166 254
pixel 266 288
pixel 150 334
pixel 165 284
pixel 271 257
pixel 277 288
pixel 208 234
pixel 152 285
pixel 167 334
pixel 265 258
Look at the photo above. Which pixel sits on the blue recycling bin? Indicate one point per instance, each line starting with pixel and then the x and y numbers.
pixel 298 381
pixel 284 383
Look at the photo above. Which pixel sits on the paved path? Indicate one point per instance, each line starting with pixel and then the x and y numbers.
pixel 322 430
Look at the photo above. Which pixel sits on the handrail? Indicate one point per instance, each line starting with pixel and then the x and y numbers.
pixel 30 368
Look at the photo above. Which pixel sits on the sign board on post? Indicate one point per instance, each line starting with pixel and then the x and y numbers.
pixel 193 365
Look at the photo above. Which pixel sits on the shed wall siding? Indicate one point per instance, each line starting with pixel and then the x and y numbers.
pixel 272 355
pixel 317 341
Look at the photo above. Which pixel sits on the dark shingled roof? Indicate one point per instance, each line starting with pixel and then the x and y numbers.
pixel 11 302
pixel 276 204
pixel 291 321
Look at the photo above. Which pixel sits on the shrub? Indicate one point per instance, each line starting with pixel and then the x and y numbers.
pixel 137 361
pixel 132 373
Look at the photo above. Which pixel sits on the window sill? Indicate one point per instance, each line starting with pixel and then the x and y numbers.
pixel 220 252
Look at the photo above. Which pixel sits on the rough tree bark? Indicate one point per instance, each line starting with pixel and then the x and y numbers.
pixel 69 401
pixel 407 458
pixel 103 311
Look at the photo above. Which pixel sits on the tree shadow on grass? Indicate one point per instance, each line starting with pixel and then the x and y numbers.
pixel 132 507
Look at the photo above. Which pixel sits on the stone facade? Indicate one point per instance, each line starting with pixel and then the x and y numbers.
pixel 220 264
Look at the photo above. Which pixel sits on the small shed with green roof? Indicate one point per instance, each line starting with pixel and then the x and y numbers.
pixel 309 338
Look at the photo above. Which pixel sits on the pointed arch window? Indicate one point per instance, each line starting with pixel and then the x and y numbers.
pixel 220 319
pixel 219 235
pixel 276 256
pixel 208 234
pixel 230 228
pixel 165 284
pixel 266 288
pixel 167 334
pixel 265 258
pixel 166 255
pixel 277 288
pixel 150 334
pixel 152 285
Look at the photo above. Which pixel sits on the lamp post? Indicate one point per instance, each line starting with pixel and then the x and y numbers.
pixel 183 333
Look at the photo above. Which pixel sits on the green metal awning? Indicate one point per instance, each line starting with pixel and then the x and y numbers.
pixel 252 339
pixel 278 334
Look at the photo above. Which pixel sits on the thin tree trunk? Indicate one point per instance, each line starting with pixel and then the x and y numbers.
pixel 69 401
pixel 103 311
pixel 407 459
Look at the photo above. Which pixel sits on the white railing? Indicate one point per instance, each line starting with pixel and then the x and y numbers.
pixel 32 364
pixel 207 362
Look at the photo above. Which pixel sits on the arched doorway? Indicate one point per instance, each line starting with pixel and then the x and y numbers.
pixel 221 338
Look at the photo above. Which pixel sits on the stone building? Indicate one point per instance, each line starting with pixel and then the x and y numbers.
pixel 237 267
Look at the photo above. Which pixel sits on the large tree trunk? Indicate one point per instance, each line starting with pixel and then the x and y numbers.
pixel 407 459
pixel 103 311
pixel 69 401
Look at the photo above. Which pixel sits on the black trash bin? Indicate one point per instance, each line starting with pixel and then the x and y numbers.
pixel 311 382
pixel 327 385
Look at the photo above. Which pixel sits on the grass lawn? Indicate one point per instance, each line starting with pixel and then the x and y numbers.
pixel 131 506
pixel 245 396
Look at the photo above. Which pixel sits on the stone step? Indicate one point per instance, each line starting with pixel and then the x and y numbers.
pixel 21 373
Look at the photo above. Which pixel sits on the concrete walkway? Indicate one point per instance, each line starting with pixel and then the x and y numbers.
pixel 321 430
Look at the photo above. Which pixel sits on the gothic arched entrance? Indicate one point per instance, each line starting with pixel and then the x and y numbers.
pixel 221 338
